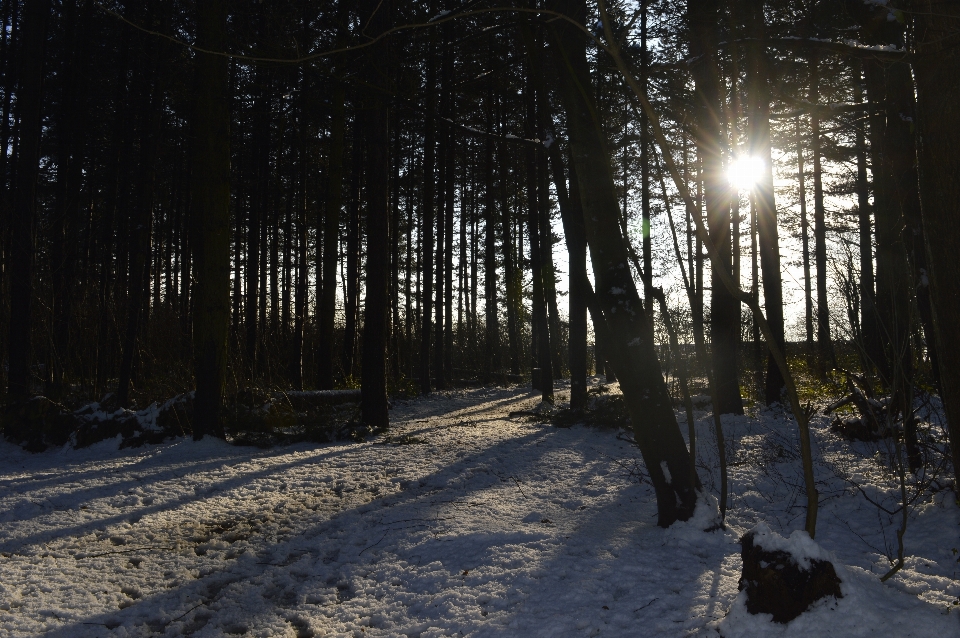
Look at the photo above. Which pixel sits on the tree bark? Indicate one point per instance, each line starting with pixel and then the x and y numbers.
pixel 210 201
pixel 826 357
pixel 571 213
pixel 491 359
pixel 373 390
pixel 331 240
pixel 427 206
pixel 151 89
pixel 937 73
pixel 540 347
pixel 869 328
pixel 634 357
pixel 352 299
pixel 22 237
pixel 703 18
pixel 764 200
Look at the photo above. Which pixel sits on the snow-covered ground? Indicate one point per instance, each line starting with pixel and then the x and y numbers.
pixel 464 522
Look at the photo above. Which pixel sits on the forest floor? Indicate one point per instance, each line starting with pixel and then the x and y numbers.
pixel 463 520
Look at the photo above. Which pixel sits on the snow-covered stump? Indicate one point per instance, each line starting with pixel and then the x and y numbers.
pixel 784 576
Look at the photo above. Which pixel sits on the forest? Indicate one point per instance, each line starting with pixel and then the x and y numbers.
pixel 716 234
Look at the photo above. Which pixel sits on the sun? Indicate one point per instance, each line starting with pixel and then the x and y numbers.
pixel 745 172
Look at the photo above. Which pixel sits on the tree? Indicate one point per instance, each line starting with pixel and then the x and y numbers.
pixel 631 349
pixel 23 238
pixel 702 16
pixel 936 67
pixel 763 196
pixel 373 403
pixel 211 220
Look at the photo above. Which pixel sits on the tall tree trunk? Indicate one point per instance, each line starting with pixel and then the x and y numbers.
pixel 260 149
pixel 331 222
pixel 300 310
pixel 826 357
pixel 540 347
pixel 491 359
pixel 448 244
pixel 373 401
pixel 331 240
pixel 211 220
pixel 555 346
pixel 152 76
pixel 764 201
pixel 937 73
pixel 444 176
pixel 634 356
pixel 22 237
pixel 351 301
pixel 511 272
pixel 115 189
pixel 645 160
pixel 69 176
pixel 703 18
pixel 427 207
pixel 805 239
pixel 571 213
pixel 869 327
pixel 896 204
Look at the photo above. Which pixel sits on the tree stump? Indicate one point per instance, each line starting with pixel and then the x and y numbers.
pixel 780 583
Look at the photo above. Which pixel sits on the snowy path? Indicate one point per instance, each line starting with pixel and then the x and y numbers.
pixel 469 523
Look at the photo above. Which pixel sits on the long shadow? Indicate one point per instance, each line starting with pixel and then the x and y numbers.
pixel 468 400
pixel 63 500
pixel 276 561
pixel 14 546
pixel 54 464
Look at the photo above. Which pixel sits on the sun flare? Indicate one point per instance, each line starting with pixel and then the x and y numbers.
pixel 745 172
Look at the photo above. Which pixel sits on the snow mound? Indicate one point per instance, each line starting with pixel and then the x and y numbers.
pixel 800 546
pixel 866 604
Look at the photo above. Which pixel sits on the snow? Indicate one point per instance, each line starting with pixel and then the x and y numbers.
pixel 462 520
pixel 666 472
pixel 799 545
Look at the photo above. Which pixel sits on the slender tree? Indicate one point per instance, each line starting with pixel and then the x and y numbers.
pixel 210 215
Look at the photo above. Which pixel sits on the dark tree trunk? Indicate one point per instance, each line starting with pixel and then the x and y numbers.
pixel 151 90
pixel 554 345
pixel 300 307
pixel 331 240
pixel 211 220
pixel 571 213
pixel 869 326
pixel 511 272
pixel 645 170
pixel 373 401
pixel 896 205
pixel 444 176
pixel 70 152
pixel 826 356
pixel 937 73
pixel 805 239
pixel 540 348
pixel 351 301
pixel 632 351
pixel 115 188
pixel 448 246
pixel 427 205
pixel 491 359
pixel 703 16
pixel 764 201
pixel 255 303
pixel 22 237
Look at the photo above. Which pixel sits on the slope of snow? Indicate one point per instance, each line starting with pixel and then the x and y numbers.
pixel 462 521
